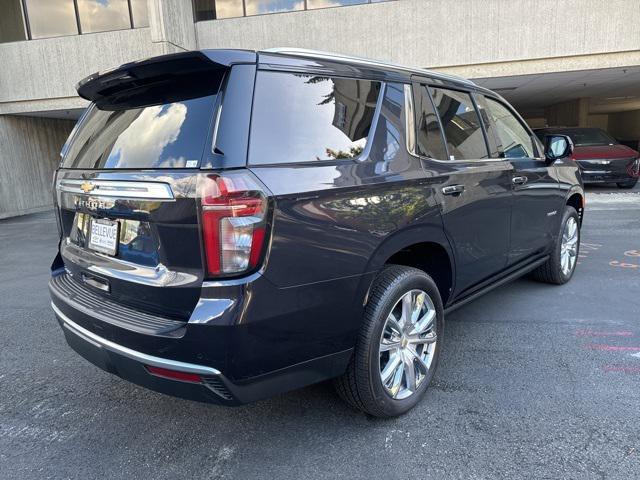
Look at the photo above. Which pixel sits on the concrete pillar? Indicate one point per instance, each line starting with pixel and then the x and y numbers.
pixel 172 25
pixel 29 153
pixel 574 113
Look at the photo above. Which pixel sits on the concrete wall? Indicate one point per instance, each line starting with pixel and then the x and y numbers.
pixel 50 68
pixel 625 125
pixel 437 33
pixel 533 35
pixel 600 120
pixel 536 122
pixel 573 113
pixel 29 153
pixel 171 23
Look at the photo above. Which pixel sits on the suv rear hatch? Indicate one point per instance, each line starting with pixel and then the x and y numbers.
pixel 127 190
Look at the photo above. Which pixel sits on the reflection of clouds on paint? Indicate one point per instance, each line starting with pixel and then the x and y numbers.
pixel 101 15
pixel 142 143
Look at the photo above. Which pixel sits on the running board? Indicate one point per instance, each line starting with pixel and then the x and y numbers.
pixel 509 278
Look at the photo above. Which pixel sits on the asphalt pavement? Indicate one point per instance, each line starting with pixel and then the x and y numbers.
pixel 535 381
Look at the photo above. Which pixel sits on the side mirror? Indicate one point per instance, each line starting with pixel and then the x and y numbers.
pixel 557 147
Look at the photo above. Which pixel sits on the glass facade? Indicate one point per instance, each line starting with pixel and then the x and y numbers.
pixel 102 16
pixel 35 19
pixel 219 9
pixel 12 27
pixel 48 18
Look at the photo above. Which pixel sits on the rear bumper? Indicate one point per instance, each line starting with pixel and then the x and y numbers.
pixel 131 365
pixel 617 171
pixel 238 359
pixel 214 387
pixel 605 177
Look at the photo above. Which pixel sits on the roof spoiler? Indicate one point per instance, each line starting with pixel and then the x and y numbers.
pixel 145 82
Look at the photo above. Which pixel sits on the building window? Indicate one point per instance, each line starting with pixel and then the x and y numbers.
pixel 219 9
pixel 260 7
pixel 103 15
pixel 35 19
pixel 313 4
pixel 12 26
pixel 51 18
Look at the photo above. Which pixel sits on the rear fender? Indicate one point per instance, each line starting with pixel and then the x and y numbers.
pixel 400 240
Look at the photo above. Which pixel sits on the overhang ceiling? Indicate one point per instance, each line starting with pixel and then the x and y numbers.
pixel 609 90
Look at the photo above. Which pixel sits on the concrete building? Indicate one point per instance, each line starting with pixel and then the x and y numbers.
pixel 568 62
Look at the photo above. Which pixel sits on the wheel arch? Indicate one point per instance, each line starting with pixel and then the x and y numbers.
pixel 576 198
pixel 426 248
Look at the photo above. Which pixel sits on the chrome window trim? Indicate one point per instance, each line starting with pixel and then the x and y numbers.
pixel 143 358
pixel 118 189
pixel 409 120
pixel 303 52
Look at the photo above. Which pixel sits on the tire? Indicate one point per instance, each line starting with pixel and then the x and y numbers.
pixel 552 270
pixel 628 185
pixel 362 386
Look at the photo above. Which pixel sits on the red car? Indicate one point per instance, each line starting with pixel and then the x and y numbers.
pixel 601 158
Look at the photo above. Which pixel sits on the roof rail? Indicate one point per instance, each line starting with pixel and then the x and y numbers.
pixel 303 52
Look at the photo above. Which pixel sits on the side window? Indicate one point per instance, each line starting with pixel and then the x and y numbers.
pixel 429 142
pixel 303 118
pixel 489 126
pixel 461 124
pixel 388 143
pixel 514 138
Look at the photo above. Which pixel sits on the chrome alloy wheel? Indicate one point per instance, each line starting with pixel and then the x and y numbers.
pixel 407 344
pixel 569 247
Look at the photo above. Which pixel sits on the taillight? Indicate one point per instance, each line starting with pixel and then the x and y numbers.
pixel 234 212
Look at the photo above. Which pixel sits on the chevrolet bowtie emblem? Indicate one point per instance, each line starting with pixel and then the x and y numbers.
pixel 86 187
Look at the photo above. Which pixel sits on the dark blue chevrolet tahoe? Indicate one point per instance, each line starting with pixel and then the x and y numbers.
pixel 236 224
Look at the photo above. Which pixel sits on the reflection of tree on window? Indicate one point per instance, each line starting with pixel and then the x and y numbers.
pixel 330 117
pixel 354 152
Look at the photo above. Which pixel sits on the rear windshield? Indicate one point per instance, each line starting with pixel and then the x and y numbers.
pixel 167 135
pixel 582 137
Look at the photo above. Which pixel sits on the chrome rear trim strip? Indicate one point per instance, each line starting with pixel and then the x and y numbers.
pixel 118 189
pixel 143 358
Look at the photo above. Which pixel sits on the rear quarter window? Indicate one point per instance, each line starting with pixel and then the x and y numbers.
pixel 306 118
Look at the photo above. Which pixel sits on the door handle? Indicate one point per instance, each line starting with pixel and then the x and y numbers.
pixel 519 180
pixel 453 190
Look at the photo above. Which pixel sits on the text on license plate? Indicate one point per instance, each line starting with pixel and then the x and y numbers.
pixel 104 236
